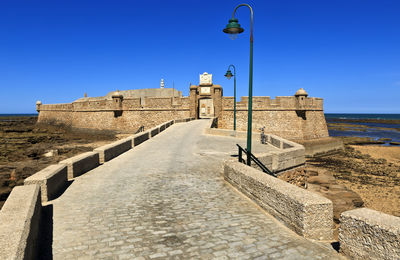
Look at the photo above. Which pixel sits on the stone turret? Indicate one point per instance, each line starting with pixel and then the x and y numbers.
pixel 38 104
pixel 117 103
pixel 301 96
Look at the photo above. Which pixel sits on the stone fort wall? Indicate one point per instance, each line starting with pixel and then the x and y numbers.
pixel 294 118
pixel 125 115
pixel 297 117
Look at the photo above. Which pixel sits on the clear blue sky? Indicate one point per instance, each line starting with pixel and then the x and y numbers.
pixel 345 51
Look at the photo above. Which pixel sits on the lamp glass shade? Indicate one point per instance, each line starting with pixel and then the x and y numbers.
pixel 229 74
pixel 233 28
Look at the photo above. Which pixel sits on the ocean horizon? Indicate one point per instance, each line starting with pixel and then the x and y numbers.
pixel 389 116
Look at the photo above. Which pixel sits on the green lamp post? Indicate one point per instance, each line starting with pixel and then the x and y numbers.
pixel 233 29
pixel 229 75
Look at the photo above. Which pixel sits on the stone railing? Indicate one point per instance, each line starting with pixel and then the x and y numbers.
pixel 21 213
pixel 20 222
pixel 307 213
pixel 368 234
pixel 322 146
pixel 287 155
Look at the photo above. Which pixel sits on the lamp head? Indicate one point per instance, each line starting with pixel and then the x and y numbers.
pixel 229 74
pixel 233 28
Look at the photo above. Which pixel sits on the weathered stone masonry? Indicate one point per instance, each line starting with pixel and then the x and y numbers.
pixel 295 117
pixel 117 114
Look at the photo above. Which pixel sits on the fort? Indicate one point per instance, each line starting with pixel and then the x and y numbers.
pixel 161 192
pixel 297 117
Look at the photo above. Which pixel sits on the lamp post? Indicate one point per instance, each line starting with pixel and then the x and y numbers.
pixel 233 29
pixel 229 75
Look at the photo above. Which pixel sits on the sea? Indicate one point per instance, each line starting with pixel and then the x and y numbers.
pixel 375 130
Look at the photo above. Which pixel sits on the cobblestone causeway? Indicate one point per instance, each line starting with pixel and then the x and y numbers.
pixel 167 199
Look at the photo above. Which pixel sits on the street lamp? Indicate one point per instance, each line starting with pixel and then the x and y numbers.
pixel 233 29
pixel 229 75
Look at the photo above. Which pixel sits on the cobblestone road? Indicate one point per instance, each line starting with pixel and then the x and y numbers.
pixel 167 199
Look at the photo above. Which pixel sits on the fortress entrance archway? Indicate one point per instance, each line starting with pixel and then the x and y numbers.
pixel 206 108
pixel 206 98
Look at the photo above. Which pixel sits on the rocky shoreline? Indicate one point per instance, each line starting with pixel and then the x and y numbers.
pixel 26 148
pixel 365 174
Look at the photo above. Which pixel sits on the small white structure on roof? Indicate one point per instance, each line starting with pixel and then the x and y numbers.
pixel 205 79
pixel 162 83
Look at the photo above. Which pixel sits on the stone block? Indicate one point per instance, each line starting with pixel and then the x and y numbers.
pixel 110 151
pixel 305 212
pixel 298 151
pixel 178 121
pixel 322 146
pixel 154 131
pixel 162 127
pixel 19 223
pixel 53 180
pixel 81 163
pixel 276 142
pixel 299 160
pixel 369 234
pixel 140 138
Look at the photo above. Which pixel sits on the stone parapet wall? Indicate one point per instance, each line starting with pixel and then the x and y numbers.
pixel 279 103
pixel 321 146
pixel 127 104
pixel 20 217
pixel 52 180
pixel 20 223
pixel 81 163
pixel 308 214
pixel 287 155
pixel 368 234
pixel 67 107
pixel 109 151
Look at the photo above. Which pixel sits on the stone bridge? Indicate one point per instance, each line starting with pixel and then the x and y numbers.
pixel 166 199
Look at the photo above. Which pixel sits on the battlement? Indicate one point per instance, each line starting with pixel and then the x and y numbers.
pixel 127 104
pixel 116 112
pixel 279 103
